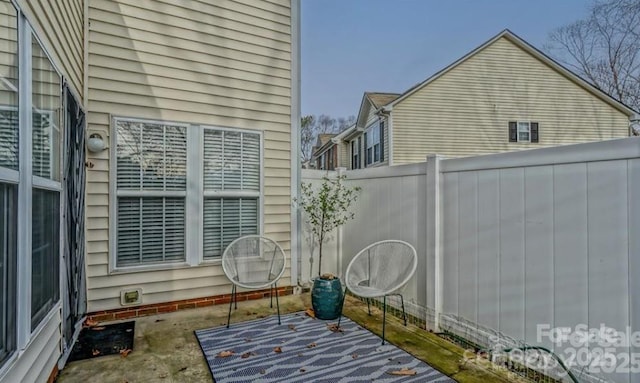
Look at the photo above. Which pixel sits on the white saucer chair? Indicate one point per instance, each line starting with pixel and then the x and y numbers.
pixel 381 270
pixel 253 262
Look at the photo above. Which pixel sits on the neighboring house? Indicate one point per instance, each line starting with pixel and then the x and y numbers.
pixel 366 141
pixel 324 153
pixel 197 106
pixel 504 95
pixel 331 151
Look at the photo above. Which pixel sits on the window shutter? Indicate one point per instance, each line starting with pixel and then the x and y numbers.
pixel 534 132
pixel 513 131
pixel 353 158
pixel 359 152
pixel 381 140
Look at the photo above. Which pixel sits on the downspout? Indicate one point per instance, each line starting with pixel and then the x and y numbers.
pixel 296 171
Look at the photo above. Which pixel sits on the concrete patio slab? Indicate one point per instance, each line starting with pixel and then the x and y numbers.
pixel 166 349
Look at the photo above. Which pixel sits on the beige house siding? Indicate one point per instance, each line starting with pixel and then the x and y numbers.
pixel 225 63
pixel 466 111
pixel 38 360
pixel 60 25
pixel 343 155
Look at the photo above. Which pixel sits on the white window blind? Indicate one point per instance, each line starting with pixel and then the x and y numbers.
pixel 152 182
pixel 46 161
pixel 9 138
pixel 231 160
pixel 226 219
pixel 150 230
pixel 231 188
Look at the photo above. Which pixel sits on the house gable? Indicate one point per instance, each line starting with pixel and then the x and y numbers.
pixel 535 53
pixel 466 109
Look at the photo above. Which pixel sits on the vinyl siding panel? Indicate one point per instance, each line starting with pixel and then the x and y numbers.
pixel 38 360
pixel 216 63
pixel 60 25
pixel 344 159
pixel 466 111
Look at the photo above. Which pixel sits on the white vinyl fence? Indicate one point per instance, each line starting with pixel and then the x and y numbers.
pixel 515 244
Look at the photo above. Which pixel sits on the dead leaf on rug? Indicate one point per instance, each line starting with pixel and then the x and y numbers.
pixel 263 372
pixel 311 345
pixel 225 354
pixel 292 327
pixel 303 370
pixel 354 356
pixel 277 349
pixel 310 313
pixel 247 354
pixel 404 372
pixel 334 327
pixel 125 352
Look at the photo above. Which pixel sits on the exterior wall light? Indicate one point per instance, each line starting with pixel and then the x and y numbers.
pixel 96 142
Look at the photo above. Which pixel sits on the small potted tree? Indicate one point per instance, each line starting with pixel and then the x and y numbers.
pixel 326 207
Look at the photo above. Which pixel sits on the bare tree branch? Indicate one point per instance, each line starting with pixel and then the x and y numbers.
pixel 603 48
pixel 311 126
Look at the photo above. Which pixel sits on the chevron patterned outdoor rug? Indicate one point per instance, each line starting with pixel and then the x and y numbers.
pixel 303 349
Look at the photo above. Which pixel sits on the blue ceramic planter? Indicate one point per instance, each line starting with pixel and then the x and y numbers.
pixel 326 298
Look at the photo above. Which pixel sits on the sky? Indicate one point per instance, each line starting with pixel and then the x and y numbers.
pixel 349 47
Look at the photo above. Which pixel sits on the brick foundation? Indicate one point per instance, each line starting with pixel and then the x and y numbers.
pixel 167 307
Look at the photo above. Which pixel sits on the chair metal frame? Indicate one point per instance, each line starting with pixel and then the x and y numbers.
pixel 392 291
pixel 273 285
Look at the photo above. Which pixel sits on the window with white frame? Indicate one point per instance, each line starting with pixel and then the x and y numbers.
pixel 524 131
pixel 231 177
pixel 163 171
pixel 151 196
pixel 372 134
